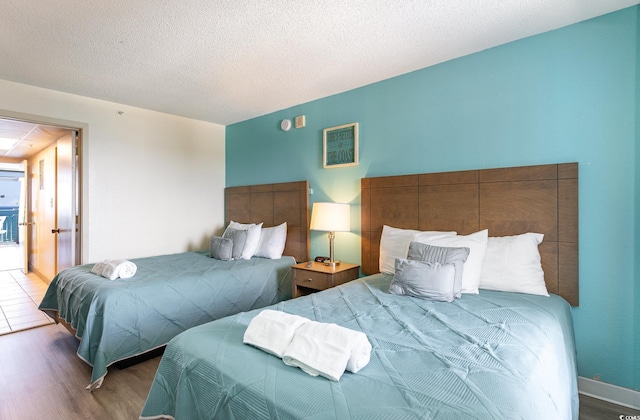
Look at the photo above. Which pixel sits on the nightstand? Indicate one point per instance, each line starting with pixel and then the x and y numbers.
pixel 320 277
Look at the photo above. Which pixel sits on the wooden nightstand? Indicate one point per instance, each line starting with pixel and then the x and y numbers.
pixel 320 277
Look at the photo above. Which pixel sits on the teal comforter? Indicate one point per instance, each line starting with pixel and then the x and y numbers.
pixel 488 356
pixel 169 294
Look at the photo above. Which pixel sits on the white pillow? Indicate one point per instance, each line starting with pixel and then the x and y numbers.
pixel 272 242
pixel 253 237
pixel 394 243
pixel 477 244
pixel 512 264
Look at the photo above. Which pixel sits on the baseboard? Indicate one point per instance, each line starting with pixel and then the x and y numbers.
pixel 611 393
pixel 39 274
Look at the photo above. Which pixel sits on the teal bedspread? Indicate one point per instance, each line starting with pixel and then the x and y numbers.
pixel 495 355
pixel 122 318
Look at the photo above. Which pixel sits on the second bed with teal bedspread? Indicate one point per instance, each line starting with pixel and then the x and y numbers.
pixel 122 318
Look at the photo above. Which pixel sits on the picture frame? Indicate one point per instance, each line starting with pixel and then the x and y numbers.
pixel 340 146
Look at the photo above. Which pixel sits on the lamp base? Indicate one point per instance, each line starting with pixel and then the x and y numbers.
pixel 332 264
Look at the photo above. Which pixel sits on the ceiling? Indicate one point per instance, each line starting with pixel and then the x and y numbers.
pixel 29 138
pixel 226 61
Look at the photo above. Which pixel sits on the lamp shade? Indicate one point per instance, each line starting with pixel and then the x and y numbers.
pixel 331 217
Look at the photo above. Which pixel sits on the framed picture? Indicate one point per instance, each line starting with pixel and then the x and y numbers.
pixel 340 146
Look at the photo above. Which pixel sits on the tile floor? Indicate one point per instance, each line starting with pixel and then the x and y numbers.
pixel 11 256
pixel 20 295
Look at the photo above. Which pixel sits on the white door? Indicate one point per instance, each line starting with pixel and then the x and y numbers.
pixel 53 232
pixel 23 223
pixel 65 214
pixel 44 240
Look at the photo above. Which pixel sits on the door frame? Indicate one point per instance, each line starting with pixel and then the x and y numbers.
pixel 79 174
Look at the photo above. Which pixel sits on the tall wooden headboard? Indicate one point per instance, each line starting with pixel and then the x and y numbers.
pixel 273 204
pixel 507 201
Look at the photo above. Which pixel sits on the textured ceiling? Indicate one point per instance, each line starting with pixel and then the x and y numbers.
pixel 29 138
pixel 226 61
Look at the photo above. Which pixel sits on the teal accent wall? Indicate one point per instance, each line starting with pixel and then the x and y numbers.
pixel 569 95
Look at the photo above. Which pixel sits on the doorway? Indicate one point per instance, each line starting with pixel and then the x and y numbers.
pixel 12 205
pixel 48 228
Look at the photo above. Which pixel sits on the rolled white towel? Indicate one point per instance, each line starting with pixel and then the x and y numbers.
pixel 113 269
pixel 327 350
pixel 360 352
pixel 272 331
pixel 126 269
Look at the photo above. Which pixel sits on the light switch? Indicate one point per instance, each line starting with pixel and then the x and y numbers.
pixel 300 121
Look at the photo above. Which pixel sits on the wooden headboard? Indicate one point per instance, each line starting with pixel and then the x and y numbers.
pixel 273 204
pixel 507 201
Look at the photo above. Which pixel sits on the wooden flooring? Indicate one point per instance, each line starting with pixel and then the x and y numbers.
pixel 595 409
pixel 41 377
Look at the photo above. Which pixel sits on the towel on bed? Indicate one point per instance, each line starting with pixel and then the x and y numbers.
pixel 113 269
pixel 272 331
pixel 327 350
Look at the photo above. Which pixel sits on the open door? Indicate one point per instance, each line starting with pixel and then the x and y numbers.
pixel 65 209
pixel 23 223
pixel 51 211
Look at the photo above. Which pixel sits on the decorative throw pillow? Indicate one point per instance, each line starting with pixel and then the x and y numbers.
pixel 221 248
pixel 272 242
pixel 394 243
pixel 443 255
pixel 512 264
pixel 239 238
pixel 424 280
pixel 477 244
pixel 253 237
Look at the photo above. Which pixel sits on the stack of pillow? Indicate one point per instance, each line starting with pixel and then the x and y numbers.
pixel 443 265
pixel 246 240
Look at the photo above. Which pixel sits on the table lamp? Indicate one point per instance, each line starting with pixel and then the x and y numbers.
pixel 332 218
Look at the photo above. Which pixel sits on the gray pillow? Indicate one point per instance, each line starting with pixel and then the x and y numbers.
pixel 426 280
pixel 221 248
pixel 239 237
pixel 443 255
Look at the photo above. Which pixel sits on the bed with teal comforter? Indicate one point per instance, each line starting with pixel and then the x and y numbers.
pixel 495 355
pixel 118 319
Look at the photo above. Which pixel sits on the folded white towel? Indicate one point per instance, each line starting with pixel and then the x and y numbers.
pixel 113 269
pixel 327 350
pixel 272 331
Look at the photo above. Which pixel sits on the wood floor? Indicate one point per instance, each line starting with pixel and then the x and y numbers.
pixel 595 409
pixel 41 377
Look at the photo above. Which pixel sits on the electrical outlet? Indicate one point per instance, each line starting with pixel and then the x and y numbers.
pixel 597 377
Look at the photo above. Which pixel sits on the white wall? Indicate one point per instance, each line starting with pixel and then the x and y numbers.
pixel 153 182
